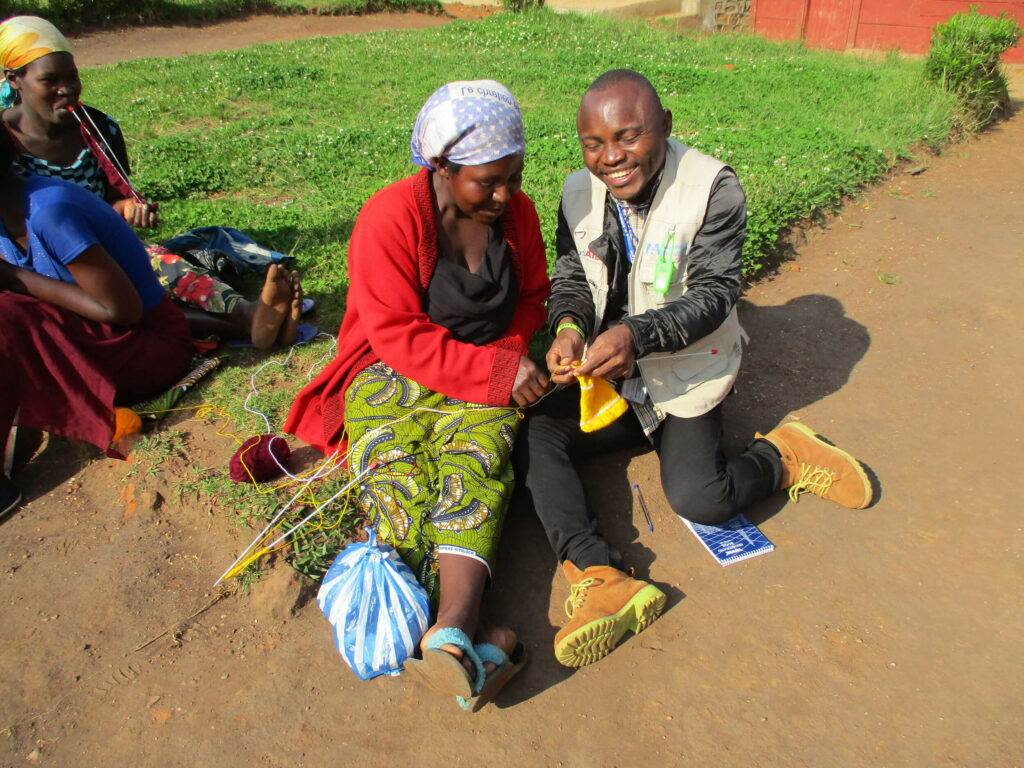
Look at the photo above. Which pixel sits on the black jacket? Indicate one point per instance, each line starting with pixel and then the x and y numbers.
pixel 714 280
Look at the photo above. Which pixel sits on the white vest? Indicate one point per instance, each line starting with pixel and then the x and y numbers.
pixel 691 381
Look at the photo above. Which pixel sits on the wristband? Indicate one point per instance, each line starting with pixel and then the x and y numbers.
pixel 572 326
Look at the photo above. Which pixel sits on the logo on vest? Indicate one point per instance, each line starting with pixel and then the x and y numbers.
pixel 666 251
pixel 590 255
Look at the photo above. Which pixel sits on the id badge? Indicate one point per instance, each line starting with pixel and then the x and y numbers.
pixel 663 271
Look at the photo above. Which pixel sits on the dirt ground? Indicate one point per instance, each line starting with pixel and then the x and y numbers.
pixel 109 47
pixel 885 637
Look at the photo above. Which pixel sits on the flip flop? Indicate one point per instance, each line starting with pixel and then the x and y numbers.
pixel 10 498
pixel 507 668
pixel 303 333
pixel 442 671
pixel 307 306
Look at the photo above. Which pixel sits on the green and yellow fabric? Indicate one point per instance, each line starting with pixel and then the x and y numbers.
pixel 439 474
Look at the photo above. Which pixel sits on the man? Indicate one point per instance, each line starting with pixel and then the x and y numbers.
pixel 643 293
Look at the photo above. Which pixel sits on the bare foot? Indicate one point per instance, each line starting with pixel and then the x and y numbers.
pixel 271 308
pixel 290 326
pixel 502 637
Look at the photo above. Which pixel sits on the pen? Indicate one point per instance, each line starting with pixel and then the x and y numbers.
pixel 643 507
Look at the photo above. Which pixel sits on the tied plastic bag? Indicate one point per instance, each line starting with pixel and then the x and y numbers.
pixel 378 609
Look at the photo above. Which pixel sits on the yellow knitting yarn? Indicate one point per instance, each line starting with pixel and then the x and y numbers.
pixel 600 405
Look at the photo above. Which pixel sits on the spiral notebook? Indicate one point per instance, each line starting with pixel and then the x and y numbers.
pixel 734 540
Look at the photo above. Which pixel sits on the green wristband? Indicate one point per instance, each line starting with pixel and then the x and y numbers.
pixel 573 326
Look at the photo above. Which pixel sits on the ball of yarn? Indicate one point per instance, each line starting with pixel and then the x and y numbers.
pixel 126 422
pixel 254 458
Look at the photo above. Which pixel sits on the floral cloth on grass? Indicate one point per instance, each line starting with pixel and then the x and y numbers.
pixel 190 284
pixel 443 475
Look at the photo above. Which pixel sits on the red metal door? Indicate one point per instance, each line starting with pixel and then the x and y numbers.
pixel 828 23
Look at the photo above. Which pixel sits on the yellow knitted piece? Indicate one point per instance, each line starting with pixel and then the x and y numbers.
pixel 600 405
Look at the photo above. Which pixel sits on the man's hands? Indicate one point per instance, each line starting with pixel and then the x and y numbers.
pixel 530 384
pixel 566 349
pixel 611 356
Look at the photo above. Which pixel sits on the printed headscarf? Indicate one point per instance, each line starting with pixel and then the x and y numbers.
pixel 23 39
pixel 469 122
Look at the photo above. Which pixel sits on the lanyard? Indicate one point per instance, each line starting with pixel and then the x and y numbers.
pixel 664 269
pixel 630 238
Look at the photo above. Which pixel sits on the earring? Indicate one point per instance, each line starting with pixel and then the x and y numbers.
pixel 8 95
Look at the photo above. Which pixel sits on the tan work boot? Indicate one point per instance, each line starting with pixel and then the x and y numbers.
pixel 604 603
pixel 811 464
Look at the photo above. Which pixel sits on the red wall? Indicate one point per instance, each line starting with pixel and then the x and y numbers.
pixel 881 24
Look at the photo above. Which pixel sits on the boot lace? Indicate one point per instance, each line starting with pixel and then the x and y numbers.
pixel 814 479
pixel 578 593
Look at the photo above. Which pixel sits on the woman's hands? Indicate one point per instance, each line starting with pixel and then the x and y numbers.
pixel 530 384
pixel 139 215
pixel 10 278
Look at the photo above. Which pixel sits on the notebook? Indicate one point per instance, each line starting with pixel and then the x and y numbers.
pixel 734 540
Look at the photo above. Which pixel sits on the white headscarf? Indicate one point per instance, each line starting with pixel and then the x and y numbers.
pixel 469 122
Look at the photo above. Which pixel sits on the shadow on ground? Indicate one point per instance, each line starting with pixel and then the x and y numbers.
pixel 800 352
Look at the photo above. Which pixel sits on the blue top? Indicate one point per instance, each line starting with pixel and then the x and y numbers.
pixel 63 220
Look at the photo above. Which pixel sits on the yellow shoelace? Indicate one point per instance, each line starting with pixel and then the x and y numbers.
pixel 577 593
pixel 815 479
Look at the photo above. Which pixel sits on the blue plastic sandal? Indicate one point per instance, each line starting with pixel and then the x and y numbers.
pixel 506 667
pixel 443 671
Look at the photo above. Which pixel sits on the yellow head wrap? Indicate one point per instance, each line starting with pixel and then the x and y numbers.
pixel 23 39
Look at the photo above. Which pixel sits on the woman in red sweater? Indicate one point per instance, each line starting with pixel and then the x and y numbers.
pixel 448 280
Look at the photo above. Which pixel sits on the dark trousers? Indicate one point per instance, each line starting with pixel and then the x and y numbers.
pixel 700 483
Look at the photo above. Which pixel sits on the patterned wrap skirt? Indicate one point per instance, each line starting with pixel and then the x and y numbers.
pixel 442 474
pixel 189 284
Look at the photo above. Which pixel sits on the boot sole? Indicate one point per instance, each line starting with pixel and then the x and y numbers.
pixel 869 492
pixel 598 638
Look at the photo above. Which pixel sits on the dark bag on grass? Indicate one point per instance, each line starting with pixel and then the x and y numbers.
pixel 225 252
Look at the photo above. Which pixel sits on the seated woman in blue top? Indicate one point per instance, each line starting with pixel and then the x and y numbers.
pixel 84 322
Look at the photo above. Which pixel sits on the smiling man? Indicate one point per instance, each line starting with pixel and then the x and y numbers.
pixel 643 295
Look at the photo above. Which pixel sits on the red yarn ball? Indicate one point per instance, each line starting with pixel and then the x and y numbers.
pixel 255 454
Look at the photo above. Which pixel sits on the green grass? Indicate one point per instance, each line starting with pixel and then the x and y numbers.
pixel 286 142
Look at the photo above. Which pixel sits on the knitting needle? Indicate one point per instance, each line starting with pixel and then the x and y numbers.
pixel 109 153
pixel 643 507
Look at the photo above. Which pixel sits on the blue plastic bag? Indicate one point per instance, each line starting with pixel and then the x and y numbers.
pixel 378 609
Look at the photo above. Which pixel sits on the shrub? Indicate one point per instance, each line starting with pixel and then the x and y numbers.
pixel 965 59
pixel 517 6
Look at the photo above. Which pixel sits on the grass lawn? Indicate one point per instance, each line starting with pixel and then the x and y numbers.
pixel 286 141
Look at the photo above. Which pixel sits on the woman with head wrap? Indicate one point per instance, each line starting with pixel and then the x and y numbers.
pixel 448 279
pixel 40 100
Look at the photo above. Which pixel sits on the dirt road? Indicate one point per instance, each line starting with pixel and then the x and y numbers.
pixel 889 636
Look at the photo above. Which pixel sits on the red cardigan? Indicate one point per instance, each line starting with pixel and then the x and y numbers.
pixel 391 259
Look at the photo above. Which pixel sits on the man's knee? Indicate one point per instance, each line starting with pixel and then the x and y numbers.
pixel 706 503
